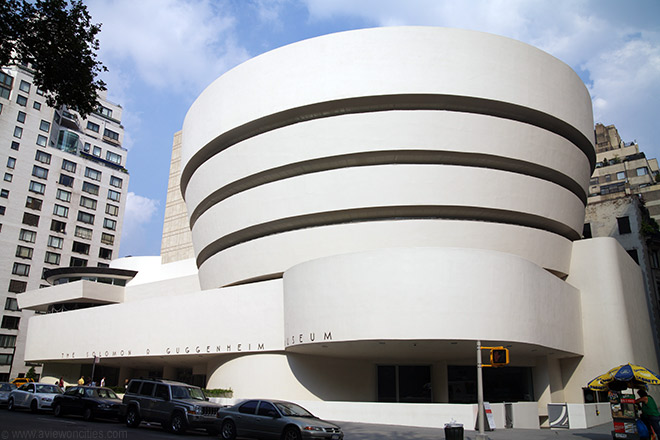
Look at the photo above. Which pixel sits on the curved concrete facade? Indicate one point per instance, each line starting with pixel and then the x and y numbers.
pixel 389 126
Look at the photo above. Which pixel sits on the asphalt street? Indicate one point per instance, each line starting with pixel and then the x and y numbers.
pixel 25 425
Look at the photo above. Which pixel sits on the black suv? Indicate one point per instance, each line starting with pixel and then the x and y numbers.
pixel 176 406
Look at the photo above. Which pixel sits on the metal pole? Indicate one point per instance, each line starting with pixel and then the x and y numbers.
pixel 480 395
pixel 93 368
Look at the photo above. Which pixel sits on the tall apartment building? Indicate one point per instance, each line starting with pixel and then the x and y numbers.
pixel 62 197
pixel 623 198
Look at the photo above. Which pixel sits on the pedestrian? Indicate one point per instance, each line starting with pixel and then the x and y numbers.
pixel 126 385
pixel 650 414
pixel 61 382
pixel 102 381
pixel 81 381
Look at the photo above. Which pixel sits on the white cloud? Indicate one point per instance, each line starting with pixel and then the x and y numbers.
pixel 138 215
pixel 178 45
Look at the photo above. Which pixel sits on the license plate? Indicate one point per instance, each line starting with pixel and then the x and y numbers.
pixel 335 437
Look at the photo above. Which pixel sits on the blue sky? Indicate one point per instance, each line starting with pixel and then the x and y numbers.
pixel 161 54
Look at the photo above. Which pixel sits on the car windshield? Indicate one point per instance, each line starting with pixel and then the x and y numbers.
pixel 292 410
pixel 181 392
pixel 53 389
pixel 102 393
pixel 7 386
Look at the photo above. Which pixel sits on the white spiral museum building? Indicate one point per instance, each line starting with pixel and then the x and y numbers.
pixel 364 207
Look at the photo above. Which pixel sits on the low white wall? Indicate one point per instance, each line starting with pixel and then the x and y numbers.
pixel 427 415
pixel 581 416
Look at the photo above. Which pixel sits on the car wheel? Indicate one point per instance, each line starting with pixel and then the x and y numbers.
pixel 132 417
pixel 10 405
pixel 178 423
pixel 34 406
pixel 88 414
pixel 228 430
pixel 57 410
pixel 292 433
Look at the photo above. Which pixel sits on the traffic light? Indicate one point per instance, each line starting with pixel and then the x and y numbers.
pixel 499 357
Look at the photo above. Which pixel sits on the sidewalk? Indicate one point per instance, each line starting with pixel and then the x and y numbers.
pixel 365 431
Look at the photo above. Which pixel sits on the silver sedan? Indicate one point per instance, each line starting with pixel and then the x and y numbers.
pixel 275 419
pixel 5 388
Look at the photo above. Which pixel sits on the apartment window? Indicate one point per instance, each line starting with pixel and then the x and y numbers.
pixel 643 171
pixel 21 100
pixel 113 157
pixel 620 175
pixel 111 135
pixel 24 252
pixel 107 238
pixel 88 203
pixel 42 140
pixel 7 341
pixel 11 304
pixel 624 225
pixel 63 195
pixel 55 242
pixel 18 132
pixel 106 254
pixel 4 193
pixel 58 226
pixel 92 126
pixel 6 82
pixel 112 209
pixel 11 162
pixel 633 254
pixel 36 105
pixel 30 219
pixel 21 269
pixel 61 211
pixel 114 195
pixel 86 147
pixel 10 322
pixel 33 203
pixel 8 177
pixel 27 235
pixel 6 359
pixel 15 145
pixel 2 210
pixel 109 224
pixel 42 156
pixel 77 262
pixel 80 248
pixel 86 217
pixel 24 86
pixel 96 151
pixel 52 258
pixel 20 117
pixel 104 111
pixel 90 188
pixel 44 126
pixel 17 286
pixel 92 173
pixel 115 181
pixel 66 180
pixel 37 187
pixel 85 233
pixel 69 166
pixel 41 173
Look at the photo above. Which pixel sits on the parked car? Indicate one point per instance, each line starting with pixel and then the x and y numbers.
pixel 21 380
pixel 5 389
pixel 36 396
pixel 87 401
pixel 175 405
pixel 273 419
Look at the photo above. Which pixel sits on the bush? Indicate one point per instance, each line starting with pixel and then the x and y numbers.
pixel 218 392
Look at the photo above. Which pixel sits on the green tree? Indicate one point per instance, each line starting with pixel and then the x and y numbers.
pixel 31 374
pixel 59 42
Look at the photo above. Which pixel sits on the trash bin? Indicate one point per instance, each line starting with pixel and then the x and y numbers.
pixel 453 431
